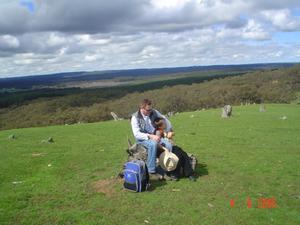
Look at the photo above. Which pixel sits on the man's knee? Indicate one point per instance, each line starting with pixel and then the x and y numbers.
pixel 152 144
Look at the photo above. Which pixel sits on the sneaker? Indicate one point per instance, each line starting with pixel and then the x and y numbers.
pixel 172 178
pixel 192 178
pixel 155 176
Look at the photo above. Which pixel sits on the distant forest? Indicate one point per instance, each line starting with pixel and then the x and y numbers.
pixel 27 82
pixel 69 106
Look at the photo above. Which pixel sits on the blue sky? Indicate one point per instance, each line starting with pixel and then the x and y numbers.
pixel 46 36
pixel 29 4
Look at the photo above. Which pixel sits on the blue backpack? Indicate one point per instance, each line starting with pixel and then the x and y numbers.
pixel 136 176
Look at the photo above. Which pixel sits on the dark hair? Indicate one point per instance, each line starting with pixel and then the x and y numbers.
pixel 158 122
pixel 145 102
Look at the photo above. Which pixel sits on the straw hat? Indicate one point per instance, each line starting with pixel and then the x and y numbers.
pixel 168 160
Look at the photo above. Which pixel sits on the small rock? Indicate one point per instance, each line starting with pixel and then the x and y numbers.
pixel 175 190
pixel 17 182
pixel 37 154
pixel 210 205
pixel 146 221
pixel 226 111
pixel 49 140
pixel 12 136
pixel 262 108
pixel 49 165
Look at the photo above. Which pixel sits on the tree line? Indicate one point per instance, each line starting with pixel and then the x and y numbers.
pixel 272 86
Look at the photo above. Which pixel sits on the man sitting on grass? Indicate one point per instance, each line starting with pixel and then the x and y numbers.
pixel 142 123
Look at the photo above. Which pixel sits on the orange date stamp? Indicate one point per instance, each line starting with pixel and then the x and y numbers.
pixel 261 203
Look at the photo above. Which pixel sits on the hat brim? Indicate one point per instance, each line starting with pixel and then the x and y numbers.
pixel 163 158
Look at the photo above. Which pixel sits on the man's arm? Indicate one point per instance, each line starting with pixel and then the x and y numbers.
pixel 136 130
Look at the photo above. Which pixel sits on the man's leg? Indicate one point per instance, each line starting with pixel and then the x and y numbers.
pixel 151 149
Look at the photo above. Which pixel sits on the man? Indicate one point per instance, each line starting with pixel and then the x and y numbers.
pixel 142 123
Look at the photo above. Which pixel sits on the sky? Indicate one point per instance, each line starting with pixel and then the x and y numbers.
pixel 50 36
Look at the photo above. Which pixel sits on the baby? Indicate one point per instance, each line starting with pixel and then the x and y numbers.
pixel 160 130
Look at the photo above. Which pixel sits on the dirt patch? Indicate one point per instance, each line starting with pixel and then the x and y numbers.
pixel 107 186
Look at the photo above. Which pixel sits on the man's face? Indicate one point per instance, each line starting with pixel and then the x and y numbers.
pixel 146 110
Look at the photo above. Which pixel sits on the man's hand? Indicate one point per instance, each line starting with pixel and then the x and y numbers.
pixel 154 137
pixel 170 134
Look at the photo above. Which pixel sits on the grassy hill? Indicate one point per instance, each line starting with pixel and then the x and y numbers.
pixel 251 155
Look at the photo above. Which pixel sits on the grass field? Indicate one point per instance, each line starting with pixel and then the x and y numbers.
pixel 251 155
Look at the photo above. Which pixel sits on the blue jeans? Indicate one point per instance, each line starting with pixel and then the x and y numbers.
pixel 152 149
pixel 166 143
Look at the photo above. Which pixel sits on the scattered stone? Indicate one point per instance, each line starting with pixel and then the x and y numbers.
pixel 17 182
pixel 37 154
pixel 283 117
pixel 210 205
pixel 49 165
pixel 169 114
pixel 12 136
pixel 49 140
pixel 226 111
pixel 175 190
pixel 146 221
pixel 262 108
pixel 114 115
pixel 136 151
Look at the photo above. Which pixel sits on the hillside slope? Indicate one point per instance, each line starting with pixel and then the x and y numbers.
pixel 278 86
pixel 251 155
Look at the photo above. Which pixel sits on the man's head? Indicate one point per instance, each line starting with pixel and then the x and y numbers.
pixel 146 107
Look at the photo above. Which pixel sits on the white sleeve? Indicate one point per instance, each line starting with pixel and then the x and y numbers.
pixel 168 123
pixel 136 130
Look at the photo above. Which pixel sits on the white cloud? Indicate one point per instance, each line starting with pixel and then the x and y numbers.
pixel 101 35
pixel 255 31
pixel 282 19
pixel 9 41
pixel 55 40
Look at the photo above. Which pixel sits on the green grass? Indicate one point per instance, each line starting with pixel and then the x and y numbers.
pixel 252 154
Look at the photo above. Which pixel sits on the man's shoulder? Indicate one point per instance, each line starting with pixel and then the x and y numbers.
pixel 156 112
pixel 135 114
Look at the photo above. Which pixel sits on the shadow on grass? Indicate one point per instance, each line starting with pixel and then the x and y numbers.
pixel 201 170
pixel 156 183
